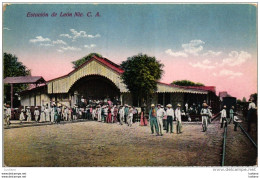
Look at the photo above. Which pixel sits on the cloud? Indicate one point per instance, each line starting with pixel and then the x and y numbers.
pixel 79 34
pixel 70 48
pixel 95 36
pixel 211 53
pixel 193 47
pixel 39 39
pixel 46 44
pixel 90 46
pixel 205 64
pixel 66 35
pixel 59 42
pixel 5 28
pixel 228 73
pixel 236 58
pixel 176 54
pixel 60 51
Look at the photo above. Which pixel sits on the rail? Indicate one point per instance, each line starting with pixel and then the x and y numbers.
pixel 224 146
pixel 248 136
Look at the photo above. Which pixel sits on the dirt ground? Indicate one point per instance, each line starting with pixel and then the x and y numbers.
pixel 87 144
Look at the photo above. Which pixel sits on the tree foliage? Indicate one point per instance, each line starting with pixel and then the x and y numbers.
pixel 141 73
pixel 13 68
pixel 78 62
pixel 186 83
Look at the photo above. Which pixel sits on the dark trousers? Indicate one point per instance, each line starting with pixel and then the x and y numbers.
pixel 169 122
pixel 224 119
pixel 235 127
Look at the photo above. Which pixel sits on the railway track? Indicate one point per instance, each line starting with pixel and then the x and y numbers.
pixel 225 142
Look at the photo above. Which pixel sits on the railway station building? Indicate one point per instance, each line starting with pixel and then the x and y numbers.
pixel 99 78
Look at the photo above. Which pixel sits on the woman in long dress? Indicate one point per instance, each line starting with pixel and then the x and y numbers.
pixel 42 117
pixel 143 120
pixel 47 114
pixel 28 113
pixel 115 111
pixel 21 118
pixel 109 115
pixel 52 114
pixel 99 113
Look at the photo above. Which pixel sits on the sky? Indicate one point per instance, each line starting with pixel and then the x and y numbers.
pixel 214 44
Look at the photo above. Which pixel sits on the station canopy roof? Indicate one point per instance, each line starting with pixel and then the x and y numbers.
pixel 24 80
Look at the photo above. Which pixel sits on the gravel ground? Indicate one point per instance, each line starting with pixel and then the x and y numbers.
pixel 239 150
pixel 86 144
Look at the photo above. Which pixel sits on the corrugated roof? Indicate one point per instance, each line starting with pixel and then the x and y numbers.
pixel 24 80
pixel 103 61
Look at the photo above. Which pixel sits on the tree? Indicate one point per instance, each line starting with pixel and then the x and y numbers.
pixel 78 62
pixel 186 83
pixel 13 68
pixel 141 73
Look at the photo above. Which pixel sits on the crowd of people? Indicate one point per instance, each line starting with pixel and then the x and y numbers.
pixel 160 117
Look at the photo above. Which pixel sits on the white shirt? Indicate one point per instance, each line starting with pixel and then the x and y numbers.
pixel 36 113
pixel 251 105
pixel 122 111
pixel 8 112
pixel 223 113
pixel 170 112
pixel 160 112
pixel 178 114
pixel 235 118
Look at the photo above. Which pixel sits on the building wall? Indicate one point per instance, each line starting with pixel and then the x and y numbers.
pixel 25 100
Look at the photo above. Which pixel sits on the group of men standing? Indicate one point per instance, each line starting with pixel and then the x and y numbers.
pixel 156 116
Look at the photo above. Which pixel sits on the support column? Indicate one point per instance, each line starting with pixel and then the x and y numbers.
pixel 12 95
pixel 163 99
pixel 121 98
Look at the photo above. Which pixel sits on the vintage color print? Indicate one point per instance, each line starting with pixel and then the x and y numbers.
pixel 60 111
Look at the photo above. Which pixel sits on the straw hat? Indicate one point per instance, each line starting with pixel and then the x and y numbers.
pixel 36 107
pixel 152 105
pixel 179 105
pixel 204 105
pixel 28 107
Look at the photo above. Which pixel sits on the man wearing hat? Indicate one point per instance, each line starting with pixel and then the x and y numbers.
pixel 36 114
pixel 121 114
pixel 66 113
pixel 178 119
pixel 170 117
pixel 126 112
pixel 21 117
pixel 204 115
pixel 153 119
pixel 130 116
pixel 160 115
pixel 231 115
pixel 8 113
pixel 28 114
pixel 223 116
pixel 74 113
pixel 99 113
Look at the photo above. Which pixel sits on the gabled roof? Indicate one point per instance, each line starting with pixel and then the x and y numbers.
pixel 24 80
pixel 103 61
